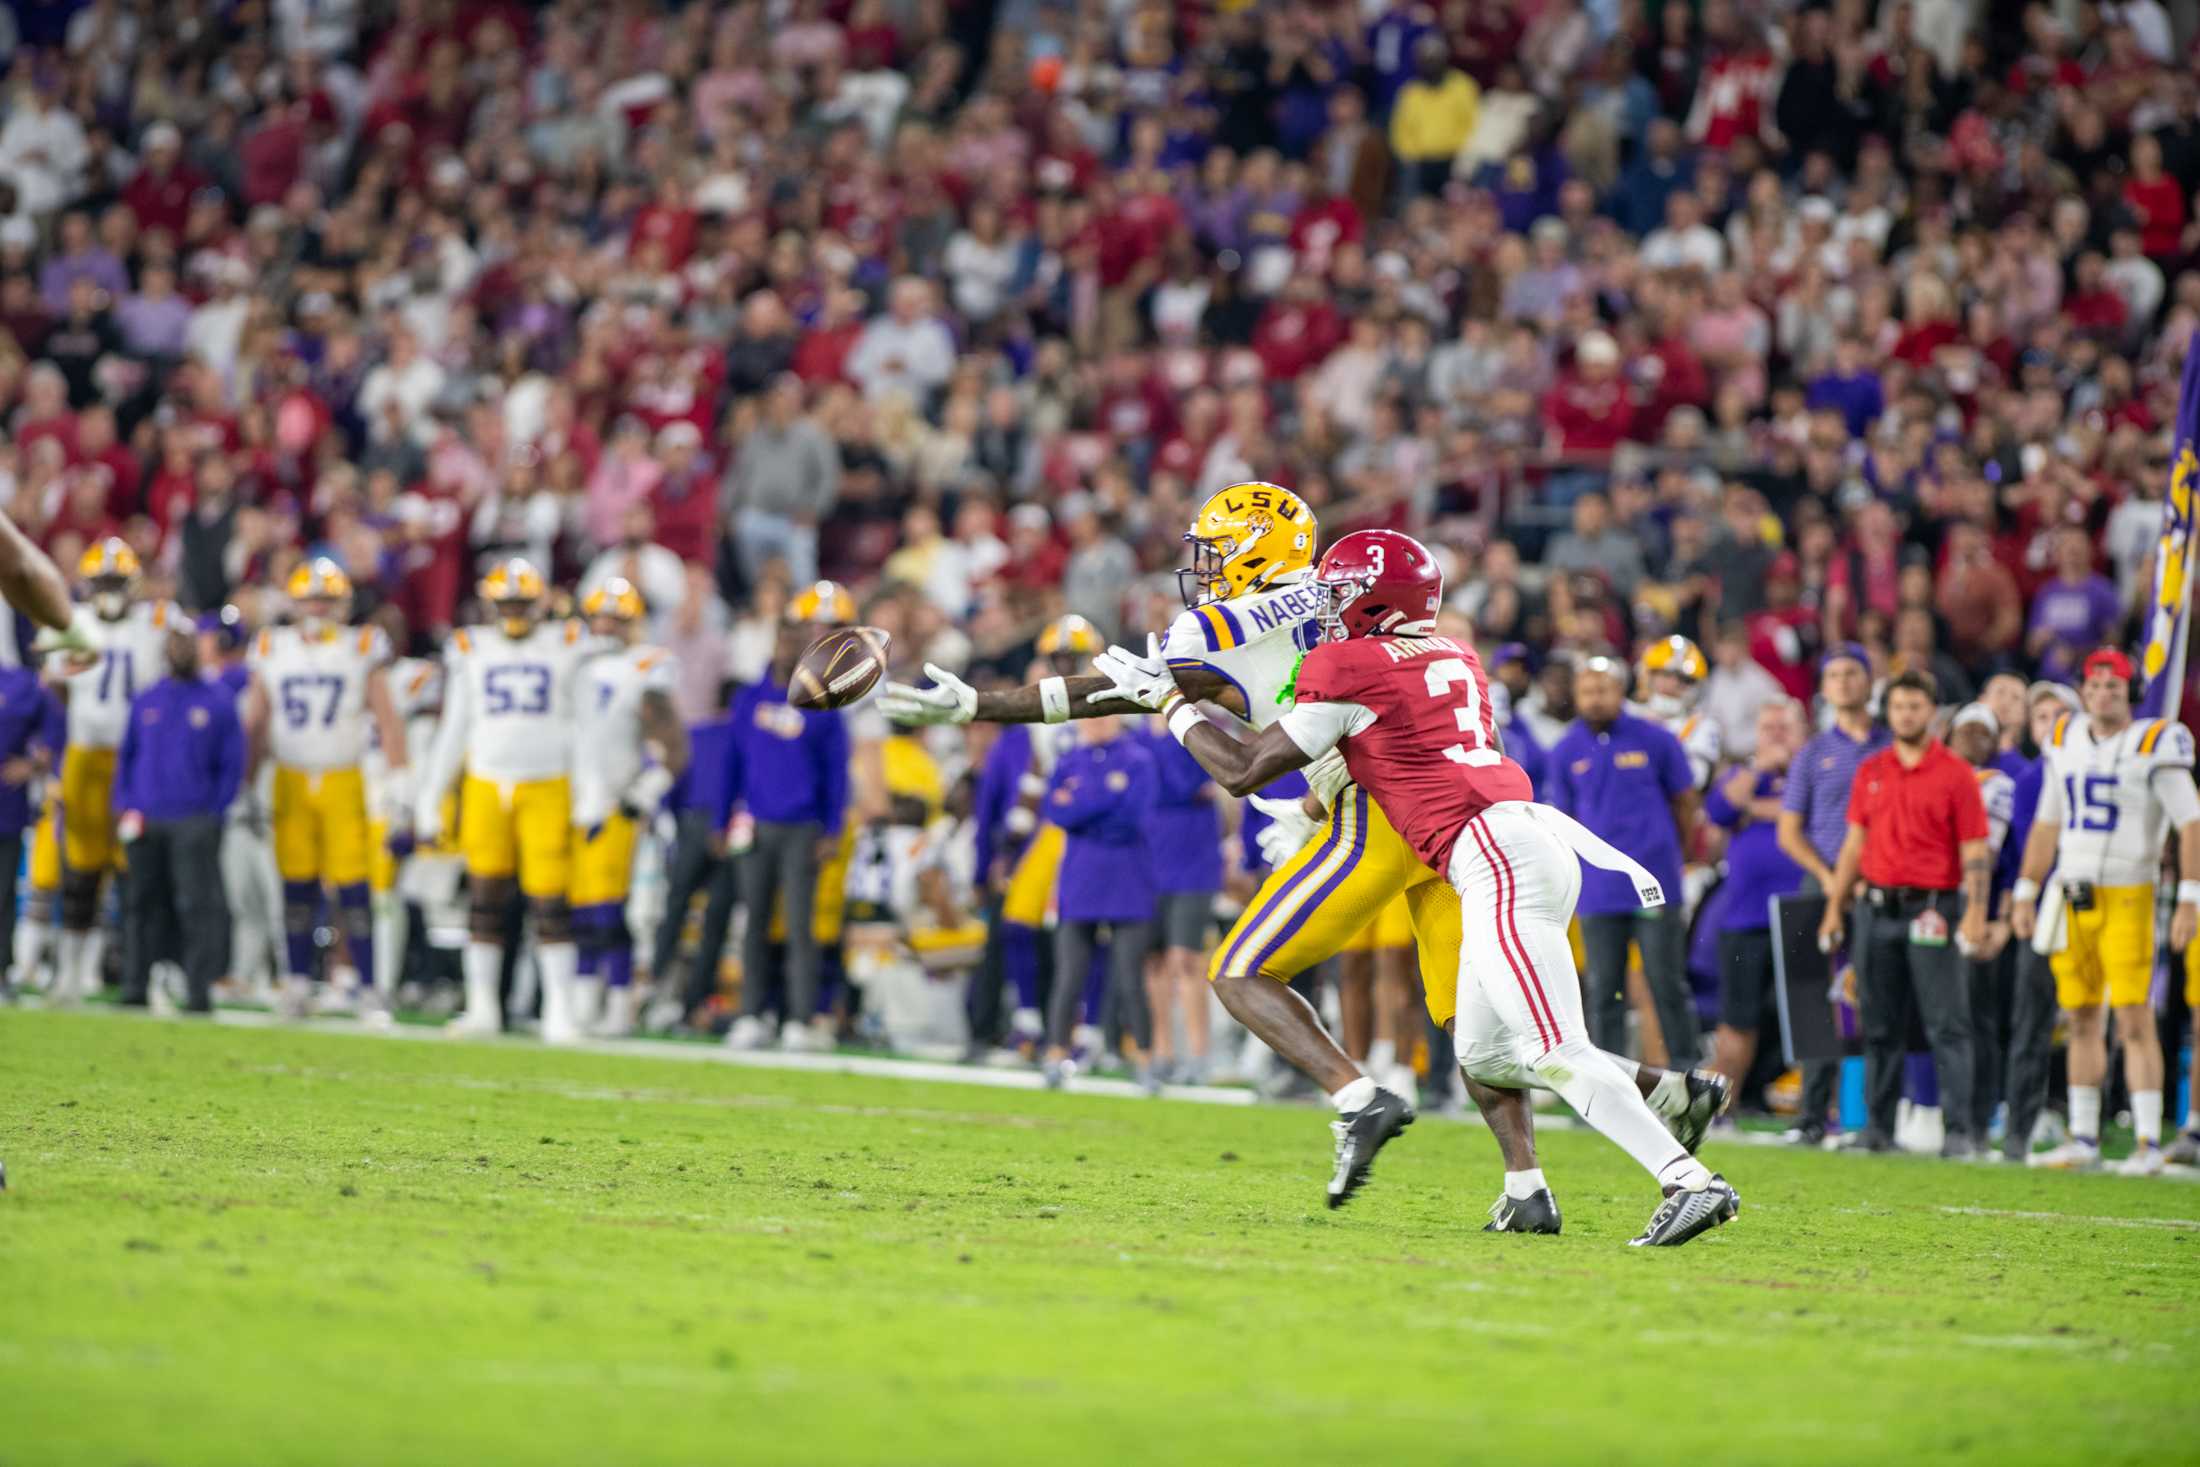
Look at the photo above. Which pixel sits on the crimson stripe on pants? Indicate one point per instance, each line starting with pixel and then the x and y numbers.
pixel 1485 843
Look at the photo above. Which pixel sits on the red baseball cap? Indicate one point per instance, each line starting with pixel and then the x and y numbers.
pixel 2106 659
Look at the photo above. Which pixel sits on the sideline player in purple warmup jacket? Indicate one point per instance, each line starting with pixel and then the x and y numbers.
pixel 1101 796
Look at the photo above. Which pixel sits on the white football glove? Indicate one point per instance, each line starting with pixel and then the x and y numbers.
pixel 948 700
pixel 428 818
pixel 1143 680
pixel 1288 830
pixel 645 792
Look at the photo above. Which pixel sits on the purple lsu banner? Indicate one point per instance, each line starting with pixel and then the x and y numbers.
pixel 2169 612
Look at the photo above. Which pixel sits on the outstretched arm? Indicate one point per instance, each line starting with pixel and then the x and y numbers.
pixel 30 580
pixel 1244 765
pixel 1050 700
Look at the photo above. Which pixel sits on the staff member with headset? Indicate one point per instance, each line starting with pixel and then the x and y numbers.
pixel 181 762
pixel 1917 833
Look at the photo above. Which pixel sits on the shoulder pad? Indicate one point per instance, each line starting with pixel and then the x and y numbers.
pixel 366 641
pixel 2173 745
pixel 264 643
pixel 160 614
pixel 572 633
pixel 461 641
pixel 2062 724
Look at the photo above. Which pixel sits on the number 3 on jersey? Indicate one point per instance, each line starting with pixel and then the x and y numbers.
pixel 1440 675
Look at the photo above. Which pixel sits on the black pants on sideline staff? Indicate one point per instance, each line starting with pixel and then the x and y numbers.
pixel 1663 937
pixel 781 866
pixel 174 887
pixel 1893 974
pixel 1990 999
pixel 695 867
pixel 1128 944
pixel 2032 1010
pixel 11 863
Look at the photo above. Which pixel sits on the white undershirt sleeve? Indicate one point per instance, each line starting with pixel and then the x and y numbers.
pixel 2180 800
pixel 1319 727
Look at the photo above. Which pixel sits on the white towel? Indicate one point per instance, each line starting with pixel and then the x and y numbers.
pixel 1599 852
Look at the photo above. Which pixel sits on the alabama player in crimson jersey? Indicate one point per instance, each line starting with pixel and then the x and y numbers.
pixel 1410 712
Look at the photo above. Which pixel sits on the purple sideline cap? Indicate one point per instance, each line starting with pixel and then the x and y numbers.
pixel 1851 651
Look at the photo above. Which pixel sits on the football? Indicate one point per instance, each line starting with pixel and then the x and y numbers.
pixel 839 667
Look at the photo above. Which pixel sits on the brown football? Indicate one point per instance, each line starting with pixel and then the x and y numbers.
pixel 839 668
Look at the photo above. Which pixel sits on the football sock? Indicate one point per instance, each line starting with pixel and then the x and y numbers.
pixel 2146 1116
pixel 2085 1113
pixel 484 966
pixel 1382 1054
pixel 1522 1185
pixel 30 941
pixel 1609 1101
pixel 559 964
pixel 1355 1096
pixel 68 960
pixel 355 904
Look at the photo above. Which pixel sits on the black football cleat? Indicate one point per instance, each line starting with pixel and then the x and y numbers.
pixel 1709 1094
pixel 1359 1136
pixel 1535 1213
pixel 1684 1215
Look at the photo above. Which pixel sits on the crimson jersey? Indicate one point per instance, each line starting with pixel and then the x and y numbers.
pixel 1417 731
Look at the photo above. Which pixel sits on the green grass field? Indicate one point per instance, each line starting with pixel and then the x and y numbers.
pixel 238 1246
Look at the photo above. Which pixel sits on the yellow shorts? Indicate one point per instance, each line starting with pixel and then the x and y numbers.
pixel 1392 927
pixel 1030 894
pixel 829 901
pixel 2109 950
pixel 2192 975
pixel 603 867
pixel 524 828
pixel 321 831
pixel 1314 903
pixel 87 820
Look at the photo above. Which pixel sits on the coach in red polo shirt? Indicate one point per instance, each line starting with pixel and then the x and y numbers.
pixel 1917 834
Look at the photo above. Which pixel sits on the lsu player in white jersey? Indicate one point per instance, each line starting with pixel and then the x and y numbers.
pixel 319 698
pixel 1252 611
pixel 1668 674
pixel 509 690
pixel 118 650
pixel 629 746
pixel 2114 787
pixel 416 692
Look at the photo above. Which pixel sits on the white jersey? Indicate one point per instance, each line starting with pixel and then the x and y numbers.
pixel 416 687
pixel 133 657
pixel 1998 793
pixel 2114 800
pixel 508 705
pixel 1699 737
pixel 1255 642
pixel 316 689
pixel 607 724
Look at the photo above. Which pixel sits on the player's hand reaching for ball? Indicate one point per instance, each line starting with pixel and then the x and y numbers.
pixel 948 700
pixel 1143 680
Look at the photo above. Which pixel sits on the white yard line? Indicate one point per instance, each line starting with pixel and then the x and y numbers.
pixel 2077 1217
pixel 880 1066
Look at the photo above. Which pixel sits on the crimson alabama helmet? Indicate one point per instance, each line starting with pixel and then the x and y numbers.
pixel 1379 582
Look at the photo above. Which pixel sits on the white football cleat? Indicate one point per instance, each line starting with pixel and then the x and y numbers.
pixel 748 1032
pixel 2147 1161
pixel 294 1000
pixel 617 1019
pixel 2072 1156
pixel 475 1024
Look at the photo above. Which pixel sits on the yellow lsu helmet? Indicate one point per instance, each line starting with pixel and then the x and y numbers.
pixel 1674 655
pixel 1071 636
pixel 319 579
pixel 825 604
pixel 109 559
pixel 616 597
pixel 516 590
pixel 1246 538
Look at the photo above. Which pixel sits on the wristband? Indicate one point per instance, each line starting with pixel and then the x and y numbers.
pixel 1053 700
pixel 2188 893
pixel 2026 890
pixel 1184 720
